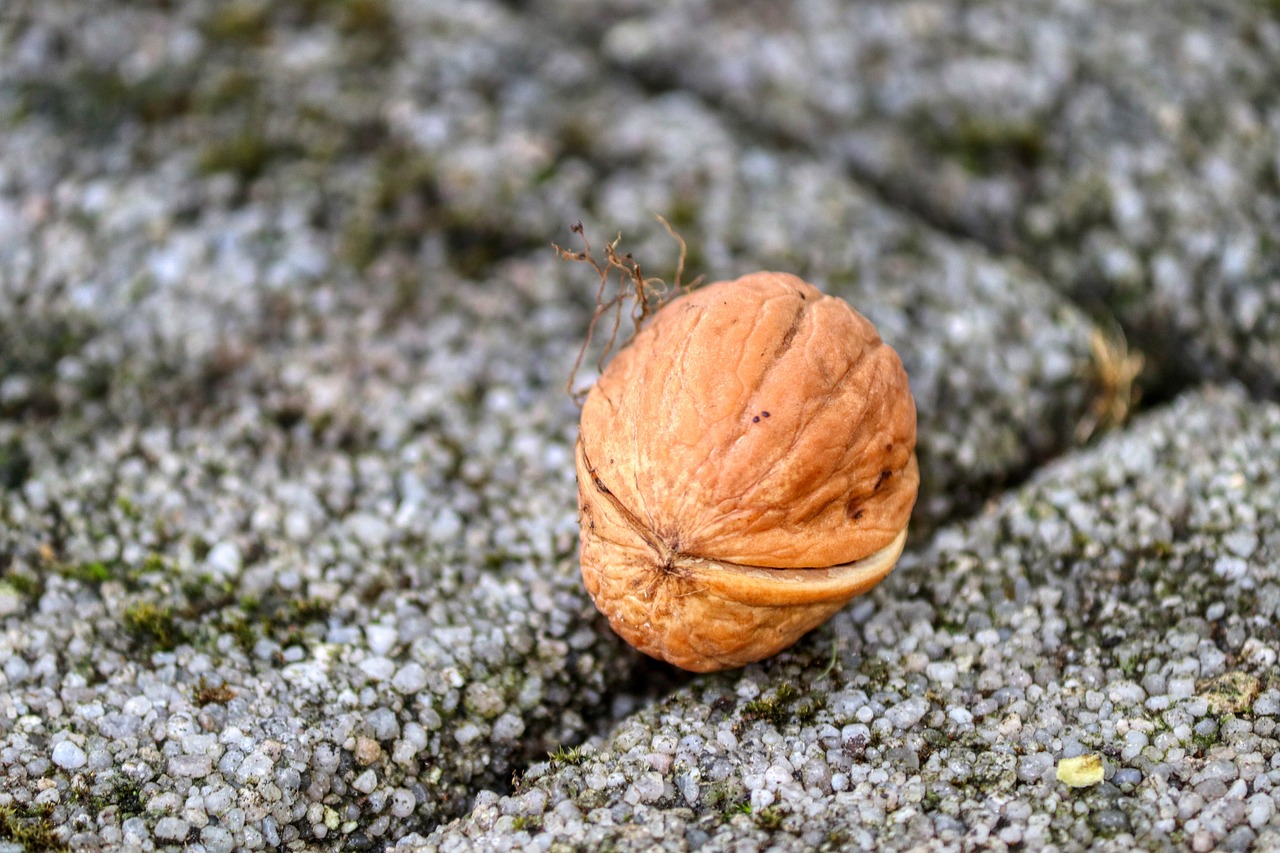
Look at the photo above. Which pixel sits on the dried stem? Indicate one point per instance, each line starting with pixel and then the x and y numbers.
pixel 645 295
pixel 1115 371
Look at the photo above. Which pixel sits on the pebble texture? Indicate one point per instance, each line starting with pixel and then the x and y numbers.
pixel 288 542
pixel 1131 160
pixel 1123 603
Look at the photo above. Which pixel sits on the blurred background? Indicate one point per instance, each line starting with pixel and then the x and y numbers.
pixel 283 340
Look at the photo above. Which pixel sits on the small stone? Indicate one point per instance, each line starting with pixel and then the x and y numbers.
pixel 943 672
pixel 224 559
pixel 402 802
pixel 378 668
pixel 1032 768
pixel 411 678
pixel 467 733
pixel 648 787
pixel 484 700
pixel 1230 568
pixel 381 638
pixel 906 714
pixel 217 840
pixel 68 756
pixel 10 602
pixel 367 751
pixel 1267 704
pixel 1259 809
pixel 172 829
pixel 507 728
pixel 190 766
pixel 366 782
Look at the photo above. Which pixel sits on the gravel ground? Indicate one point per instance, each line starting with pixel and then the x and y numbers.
pixel 1123 602
pixel 1130 158
pixel 287 506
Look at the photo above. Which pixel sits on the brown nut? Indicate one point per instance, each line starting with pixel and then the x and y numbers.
pixel 746 466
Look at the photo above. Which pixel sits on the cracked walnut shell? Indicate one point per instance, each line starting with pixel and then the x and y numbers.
pixel 746 466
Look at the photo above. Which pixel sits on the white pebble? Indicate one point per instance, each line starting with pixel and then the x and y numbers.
pixel 381 638
pixel 907 713
pixel 1260 808
pixel 648 787
pixel 411 678
pixel 68 756
pixel 224 559
pixel 1230 568
pixel 172 829
pixel 366 782
pixel 378 668
pixel 467 733
pixel 943 672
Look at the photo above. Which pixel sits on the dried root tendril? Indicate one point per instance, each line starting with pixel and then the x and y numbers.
pixel 1114 374
pixel 640 297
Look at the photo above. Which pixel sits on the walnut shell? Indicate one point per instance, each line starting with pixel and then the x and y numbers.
pixel 746 466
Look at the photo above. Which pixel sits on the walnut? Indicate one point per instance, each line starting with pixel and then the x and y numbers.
pixel 746 466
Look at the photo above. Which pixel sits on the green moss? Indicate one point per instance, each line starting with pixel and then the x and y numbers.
pixel 22 583
pixel 388 212
pixel 209 694
pixel 303 610
pixel 769 819
pixel 773 709
pixel 91 572
pixel 527 823
pixel 684 218
pixel 244 155
pixel 152 625
pixel 875 669
pixel 32 828
pixel 836 839
pixel 1231 693
pixel 239 22
pixel 726 796
pixel 286 621
pixel 563 756
pixel 33 347
pixel 125 795
pixel 371 18
pixel 96 101
pixel 234 87
pixel 128 508
pixel 153 563
pixel 15 464
pixel 986 147
pixel 808 709
pixel 242 629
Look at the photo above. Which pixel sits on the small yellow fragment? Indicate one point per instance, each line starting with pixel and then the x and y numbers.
pixel 1080 772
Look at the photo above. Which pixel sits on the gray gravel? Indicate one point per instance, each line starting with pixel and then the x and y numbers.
pixel 1130 157
pixel 1124 602
pixel 287 510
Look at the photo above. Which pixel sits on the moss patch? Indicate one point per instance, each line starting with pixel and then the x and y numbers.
pixel 32 828
pixel 1231 692
pixel 152 626
pixel 15 464
pixel 985 146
